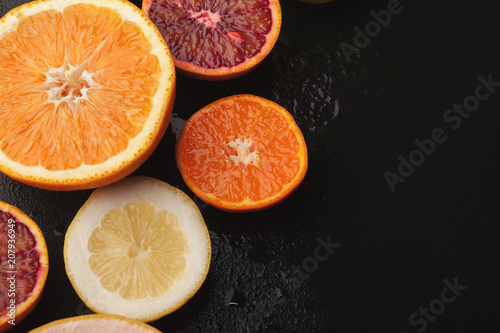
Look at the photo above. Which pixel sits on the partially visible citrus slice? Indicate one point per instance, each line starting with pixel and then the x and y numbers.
pixel 137 248
pixel 86 92
pixel 24 264
pixel 242 153
pixel 219 39
pixel 316 1
pixel 96 323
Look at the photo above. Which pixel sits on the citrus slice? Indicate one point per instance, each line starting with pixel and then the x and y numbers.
pixel 242 153
pixel 24 264
pixel 98 323
pixel 86 92
pixel 316 1
pixel 218 39
pixel 137 248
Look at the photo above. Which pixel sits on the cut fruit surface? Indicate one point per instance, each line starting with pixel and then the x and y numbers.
pixel 24 264
pixel 137 248
pixel 97 323
pixel 242 153
pixel 217 40
pixel 86 92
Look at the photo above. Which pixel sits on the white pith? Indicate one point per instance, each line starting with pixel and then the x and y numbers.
pixel 138 252
pixel 243 154
pixel 68 84
pixel 206 17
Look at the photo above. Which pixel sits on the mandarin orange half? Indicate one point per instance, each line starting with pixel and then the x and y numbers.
pixel 242 153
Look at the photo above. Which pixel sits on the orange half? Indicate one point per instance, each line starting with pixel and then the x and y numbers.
pixel 86 92
pixel 242 153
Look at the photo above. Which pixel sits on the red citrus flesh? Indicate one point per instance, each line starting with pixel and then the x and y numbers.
pixel 23 265
pixel 218 39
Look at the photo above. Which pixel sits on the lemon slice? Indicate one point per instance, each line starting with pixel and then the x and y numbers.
pixel 138 248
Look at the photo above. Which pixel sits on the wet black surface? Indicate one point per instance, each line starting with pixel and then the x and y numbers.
pixel 390 254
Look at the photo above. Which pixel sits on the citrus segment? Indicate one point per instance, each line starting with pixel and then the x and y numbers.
pixel 87 92
pixel 23 265
pixel 86 27
pixel 137 248
pixel 96 323
pixel 242 153
pixel 217 40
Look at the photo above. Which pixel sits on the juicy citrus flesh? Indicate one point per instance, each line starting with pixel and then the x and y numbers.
pixel 74 86
pixel 23 255
pixel 79 83
pixel 216 37
pixel 27 261
pixel 96 323
pixel 137 248
pixel 138 251
pixel 242 153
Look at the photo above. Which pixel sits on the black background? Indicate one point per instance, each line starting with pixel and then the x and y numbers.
pixel 396 248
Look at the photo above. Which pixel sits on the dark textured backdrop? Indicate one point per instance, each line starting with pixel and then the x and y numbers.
pixel 391 254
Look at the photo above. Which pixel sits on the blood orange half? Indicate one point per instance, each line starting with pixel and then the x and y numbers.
pixel 242 153
pixel 217 39
pixel 24 265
